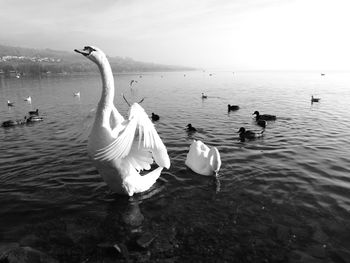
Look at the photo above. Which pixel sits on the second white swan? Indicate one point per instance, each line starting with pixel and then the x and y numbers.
pixel 202 159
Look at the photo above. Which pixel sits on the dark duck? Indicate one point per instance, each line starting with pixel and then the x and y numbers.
pixel 264 117
pixel 232 107
pixel 250 135
pixel 35 113
pixel 190 128
pixel 11 123
pixel 155 117
pixel 313 99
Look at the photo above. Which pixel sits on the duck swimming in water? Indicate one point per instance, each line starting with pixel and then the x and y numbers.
pixel 265 117
pixel 314 99
pixel 34 118
pixel 11 123
pixel 232 107
pixel 35 113
pixel 246 134
pixel 261 123
pixel 204 96
pixel 29 99
pixel 190 128
pixel 10 104
pixel 121 148
pixel 202 159
pixel 155 117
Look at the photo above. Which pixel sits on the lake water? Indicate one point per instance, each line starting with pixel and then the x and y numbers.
pixel 284 197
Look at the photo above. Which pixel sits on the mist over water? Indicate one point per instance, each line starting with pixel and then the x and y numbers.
pixel 281 198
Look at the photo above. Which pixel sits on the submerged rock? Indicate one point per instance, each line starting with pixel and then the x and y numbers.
pixel 145 240
pixel 13 253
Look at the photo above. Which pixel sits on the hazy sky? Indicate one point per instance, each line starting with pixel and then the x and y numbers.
pixel 232 34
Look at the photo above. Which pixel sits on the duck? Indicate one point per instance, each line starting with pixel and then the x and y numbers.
pixel 34 118
pixel 11 123
pixel 265 117
pixel 246 134
pixel 203 160
pixel 122 148
pixel 190 128
pixel 232 107
pixel 204 96
pixel 314 99
pixel 29 99
pixel 10 104
pixel 76 94
pixel 261 123
pixel 36 112
pixel 155 117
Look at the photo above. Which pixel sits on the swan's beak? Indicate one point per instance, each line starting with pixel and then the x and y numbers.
pixel 83 52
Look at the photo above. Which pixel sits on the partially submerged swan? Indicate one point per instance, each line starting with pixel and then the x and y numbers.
pixel 121 148
pixel 202 159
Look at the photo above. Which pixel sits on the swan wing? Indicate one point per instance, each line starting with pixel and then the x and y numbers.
pixel 138 142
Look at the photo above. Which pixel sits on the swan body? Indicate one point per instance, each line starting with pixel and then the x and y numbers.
pixel 202 159
pixel 121 148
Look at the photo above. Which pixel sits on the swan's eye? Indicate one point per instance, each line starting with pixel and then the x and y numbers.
pixel 89 49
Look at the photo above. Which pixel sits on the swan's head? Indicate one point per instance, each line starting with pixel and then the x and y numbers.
pixel 93 53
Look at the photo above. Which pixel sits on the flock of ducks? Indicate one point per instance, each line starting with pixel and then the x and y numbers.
pixel 33 116
pixel 121 149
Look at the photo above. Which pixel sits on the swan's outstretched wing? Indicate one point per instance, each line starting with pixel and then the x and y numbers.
pixel 138 142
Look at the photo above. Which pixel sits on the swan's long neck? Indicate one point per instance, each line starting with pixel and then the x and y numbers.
pixel 107 95
pixel 214 159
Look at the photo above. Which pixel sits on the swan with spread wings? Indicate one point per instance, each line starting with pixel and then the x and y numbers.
pixel 122 148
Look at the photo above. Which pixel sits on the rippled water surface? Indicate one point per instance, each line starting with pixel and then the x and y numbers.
pixel 284 197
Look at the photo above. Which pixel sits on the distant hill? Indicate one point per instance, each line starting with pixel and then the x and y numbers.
pixel 29 61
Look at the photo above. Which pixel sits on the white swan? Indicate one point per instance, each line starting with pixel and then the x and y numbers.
pixel 203 160
pixel 120 148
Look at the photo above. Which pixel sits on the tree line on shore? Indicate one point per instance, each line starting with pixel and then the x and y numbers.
pixel 23 61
